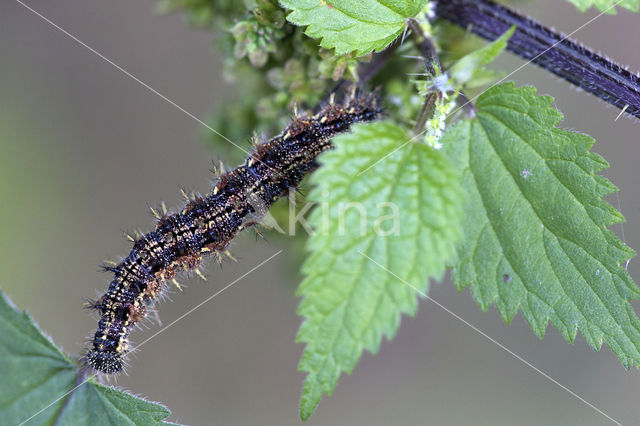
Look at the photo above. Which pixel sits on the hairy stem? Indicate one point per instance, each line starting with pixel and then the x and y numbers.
pixel 426 112
pixel 548 49
pixel 426 48
pixel 432 62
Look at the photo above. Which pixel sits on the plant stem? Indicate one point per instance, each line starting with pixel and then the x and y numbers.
pixel 548 49
pixel 432 62
pixel 426 47
pixel 426 112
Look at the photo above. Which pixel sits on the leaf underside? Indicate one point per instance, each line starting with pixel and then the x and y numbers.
pixel 535 234
pixel 350 300
pixel 37 376
pixel 359 26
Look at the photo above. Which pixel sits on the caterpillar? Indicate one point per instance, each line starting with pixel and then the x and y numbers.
pixel 207 224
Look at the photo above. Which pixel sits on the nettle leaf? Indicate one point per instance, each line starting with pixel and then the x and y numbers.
pixel 353 25
pixel 469 71
pixel 37 376
pixel 608 6
pixel 535 231
pixel 403 215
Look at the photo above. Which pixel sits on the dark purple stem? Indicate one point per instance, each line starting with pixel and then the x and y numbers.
pixel 548 49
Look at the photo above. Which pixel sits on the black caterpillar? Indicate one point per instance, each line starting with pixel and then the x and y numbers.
pixel 208 224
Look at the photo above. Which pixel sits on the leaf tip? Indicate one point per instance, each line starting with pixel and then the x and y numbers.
pixel 309 399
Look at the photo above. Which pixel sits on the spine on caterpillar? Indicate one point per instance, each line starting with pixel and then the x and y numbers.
pixel 207 224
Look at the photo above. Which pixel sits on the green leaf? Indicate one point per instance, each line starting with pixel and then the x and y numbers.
pixel 353 25
pixel 37 380
pixel 94 404
pixel 535 232
pixel 469 72
pixel 607 6
pixel 403 215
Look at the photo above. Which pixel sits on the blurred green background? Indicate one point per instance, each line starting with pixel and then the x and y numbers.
pixel 84 150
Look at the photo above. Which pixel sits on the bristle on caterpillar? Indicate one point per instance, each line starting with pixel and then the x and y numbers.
pixel 207 224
